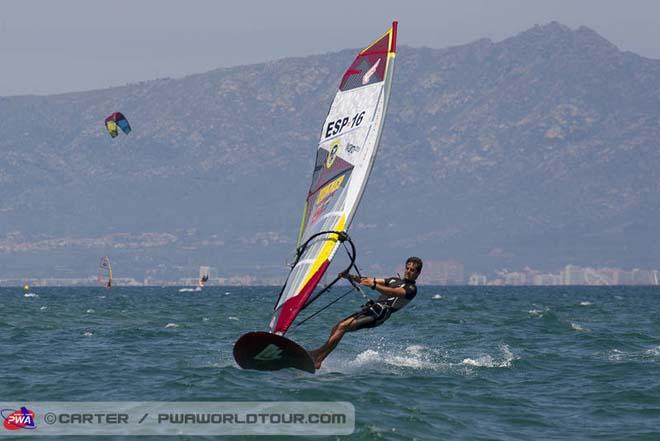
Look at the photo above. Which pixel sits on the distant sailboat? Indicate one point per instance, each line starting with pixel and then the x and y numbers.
pixel 203 276
pixel 204 272
pixel 26 291
pixel 104 276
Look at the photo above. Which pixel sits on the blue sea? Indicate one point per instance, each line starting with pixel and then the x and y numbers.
pixel 459 363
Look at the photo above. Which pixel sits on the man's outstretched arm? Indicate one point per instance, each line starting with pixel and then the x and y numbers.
pixel 376 284
pixel 379 285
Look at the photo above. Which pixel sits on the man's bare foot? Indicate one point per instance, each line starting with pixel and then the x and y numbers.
pixel 314 355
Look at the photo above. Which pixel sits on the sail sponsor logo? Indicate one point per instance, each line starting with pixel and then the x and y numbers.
pixel 318 211
pixel 351 148
pixel 330 189
pixel 367 76
pixel 270 352
pixel 332 155
pixel 18 419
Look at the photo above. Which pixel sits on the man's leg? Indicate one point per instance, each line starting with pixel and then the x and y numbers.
pixel 346 325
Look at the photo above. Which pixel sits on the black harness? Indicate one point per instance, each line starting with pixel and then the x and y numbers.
pixel 379 311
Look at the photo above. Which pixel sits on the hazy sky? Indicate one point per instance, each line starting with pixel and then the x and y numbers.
pixel 54 46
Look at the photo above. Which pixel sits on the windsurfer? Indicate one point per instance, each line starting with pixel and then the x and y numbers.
pixel 395 293
pixel 203 280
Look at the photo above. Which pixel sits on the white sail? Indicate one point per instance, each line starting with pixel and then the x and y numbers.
pixel 349 141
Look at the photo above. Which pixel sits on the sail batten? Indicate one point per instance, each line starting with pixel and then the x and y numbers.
pixel 345 155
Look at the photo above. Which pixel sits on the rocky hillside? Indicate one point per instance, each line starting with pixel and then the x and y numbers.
pixel 538 150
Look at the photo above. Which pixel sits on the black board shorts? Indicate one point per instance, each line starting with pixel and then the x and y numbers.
pixel 368 318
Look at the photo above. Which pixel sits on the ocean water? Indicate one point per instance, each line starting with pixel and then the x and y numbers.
pixel 466 363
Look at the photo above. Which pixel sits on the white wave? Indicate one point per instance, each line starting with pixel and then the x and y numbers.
pixel 416 349
pixel 227 293
pixel 483 361
pixel 655 352
pixel 30 294
pixel 384 354
pixel 436 297
pixel 536 312
pixel 377 431
pixel 585 303
pixel 90 311
pixel 225 362
pixel 101 297
pixel 578 327
pixel 196 289
pixel 413 357
pixel 43 308
pixel 205 319
pixel 231 317
pixel 367 357
pixel 487 360
pixel 616 355
pixel 87 334
pixel 171 325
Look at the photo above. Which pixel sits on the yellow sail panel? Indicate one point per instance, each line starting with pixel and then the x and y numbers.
pixel 328 247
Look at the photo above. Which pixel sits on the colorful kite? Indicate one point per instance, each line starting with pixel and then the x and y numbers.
pixel 115 122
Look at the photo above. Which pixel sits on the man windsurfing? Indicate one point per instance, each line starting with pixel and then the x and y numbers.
pixel 395 293
pixel 203 280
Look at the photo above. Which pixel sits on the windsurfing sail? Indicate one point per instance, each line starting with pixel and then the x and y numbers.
pixel 203 276
pixel 104 276
pixel 117 121
pixel 344 158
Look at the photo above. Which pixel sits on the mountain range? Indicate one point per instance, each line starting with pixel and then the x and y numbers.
pixel 540 150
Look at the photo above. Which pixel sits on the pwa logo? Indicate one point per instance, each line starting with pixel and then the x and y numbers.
pixel 18 419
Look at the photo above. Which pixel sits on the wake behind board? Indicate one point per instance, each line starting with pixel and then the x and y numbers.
pixel 264 351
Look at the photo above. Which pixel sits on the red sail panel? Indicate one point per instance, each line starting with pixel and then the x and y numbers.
pixel 292 306
pixel 370 64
